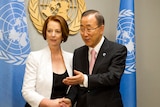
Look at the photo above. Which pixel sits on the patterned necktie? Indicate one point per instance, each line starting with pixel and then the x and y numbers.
pixel 92 61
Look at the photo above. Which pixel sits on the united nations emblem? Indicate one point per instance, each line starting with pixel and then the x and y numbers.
pixel 126 36
pixel 70 10
pixel 14 41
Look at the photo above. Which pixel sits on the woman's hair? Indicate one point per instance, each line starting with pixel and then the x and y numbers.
pixel 63 24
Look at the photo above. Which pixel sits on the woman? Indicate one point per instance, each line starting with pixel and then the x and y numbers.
pixel 46 68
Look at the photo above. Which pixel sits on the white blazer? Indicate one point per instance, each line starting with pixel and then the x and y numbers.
pixel 38 76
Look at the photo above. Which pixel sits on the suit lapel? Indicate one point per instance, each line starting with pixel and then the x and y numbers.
pixel 103 52
pixel 85 61
pixel 82 60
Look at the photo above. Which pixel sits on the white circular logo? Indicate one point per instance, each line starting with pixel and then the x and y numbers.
pixel 126 36
pixel 14 41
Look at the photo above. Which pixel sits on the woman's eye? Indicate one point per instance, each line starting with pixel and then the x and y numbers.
pixel 57 31
pixel 49 31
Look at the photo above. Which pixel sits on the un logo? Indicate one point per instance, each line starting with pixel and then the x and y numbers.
pixel 70 10
pixel 14 41
pixel 126 36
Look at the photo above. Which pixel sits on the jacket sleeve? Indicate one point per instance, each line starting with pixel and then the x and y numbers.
pixel 72 94
pixel 29 82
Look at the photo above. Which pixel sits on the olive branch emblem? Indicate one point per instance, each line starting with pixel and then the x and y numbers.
pixel 16 60
pixel 35 17
pixel 38 20
pixel 125 13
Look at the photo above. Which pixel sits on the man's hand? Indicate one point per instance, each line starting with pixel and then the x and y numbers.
pixel 74 80
pixel 65 102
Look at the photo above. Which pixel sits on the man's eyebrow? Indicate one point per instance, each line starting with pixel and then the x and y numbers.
pixel 86 25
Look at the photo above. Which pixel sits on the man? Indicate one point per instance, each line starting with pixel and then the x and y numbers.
pixel 100 87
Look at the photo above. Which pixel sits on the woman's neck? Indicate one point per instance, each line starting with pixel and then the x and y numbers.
pixel 55 50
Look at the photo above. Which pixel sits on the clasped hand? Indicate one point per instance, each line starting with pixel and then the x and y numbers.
pixel 65 102
pixel 59 102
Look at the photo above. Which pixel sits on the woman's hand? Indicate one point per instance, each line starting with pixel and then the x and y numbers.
pixel 51 103
pixel 65 102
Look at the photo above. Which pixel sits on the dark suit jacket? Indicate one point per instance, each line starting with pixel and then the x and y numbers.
pixel 104 83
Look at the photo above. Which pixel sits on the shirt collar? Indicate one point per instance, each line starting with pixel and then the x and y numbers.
pixel 98 46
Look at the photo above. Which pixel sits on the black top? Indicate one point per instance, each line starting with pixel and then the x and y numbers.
pixel 59 89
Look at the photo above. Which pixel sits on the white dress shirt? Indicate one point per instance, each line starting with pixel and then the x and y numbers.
pixel 96 48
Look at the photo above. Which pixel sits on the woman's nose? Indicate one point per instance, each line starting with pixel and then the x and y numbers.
pixel 53 33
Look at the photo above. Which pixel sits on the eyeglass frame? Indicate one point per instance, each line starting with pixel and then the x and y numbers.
pixel 88 30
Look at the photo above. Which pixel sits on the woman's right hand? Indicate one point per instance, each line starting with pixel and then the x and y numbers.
pixel 50 103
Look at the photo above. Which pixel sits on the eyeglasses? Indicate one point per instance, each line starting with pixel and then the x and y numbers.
pixel 88 30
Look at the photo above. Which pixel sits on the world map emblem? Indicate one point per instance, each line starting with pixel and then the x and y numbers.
pixel 70 10
pixel 126 36
pixel 14 41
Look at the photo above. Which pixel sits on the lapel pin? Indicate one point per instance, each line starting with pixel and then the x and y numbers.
pixel 104 54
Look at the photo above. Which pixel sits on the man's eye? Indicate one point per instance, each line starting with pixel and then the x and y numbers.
pixel 89 29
